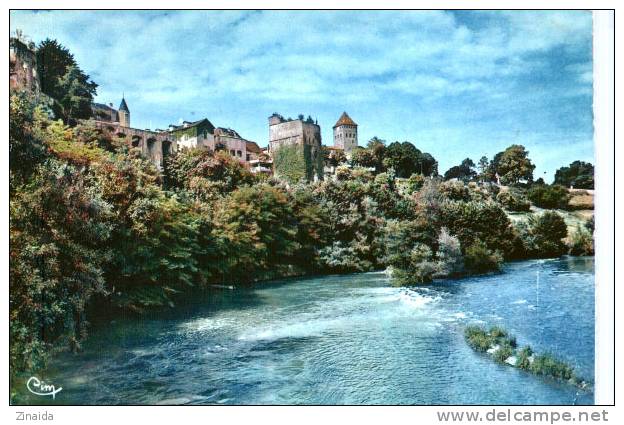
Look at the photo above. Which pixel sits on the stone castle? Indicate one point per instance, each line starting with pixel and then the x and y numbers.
pixel 301 136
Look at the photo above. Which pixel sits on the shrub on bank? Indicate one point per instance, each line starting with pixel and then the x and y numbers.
pixel 479 221
pixel 549 197
pixel 581 242
pixel 479 259
pixel 513 201
pixel 542 235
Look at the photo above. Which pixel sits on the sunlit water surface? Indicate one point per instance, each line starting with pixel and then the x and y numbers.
pixel 342 340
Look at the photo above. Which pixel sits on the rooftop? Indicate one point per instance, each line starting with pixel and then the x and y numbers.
pixel 345 119
pixel 124 106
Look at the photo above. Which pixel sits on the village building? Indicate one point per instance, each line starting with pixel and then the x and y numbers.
pixel 194 134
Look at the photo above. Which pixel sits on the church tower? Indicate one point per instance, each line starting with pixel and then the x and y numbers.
pixel 124 114
pixel 345 133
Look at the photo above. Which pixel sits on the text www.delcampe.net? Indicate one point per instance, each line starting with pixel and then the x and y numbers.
pixel 509 415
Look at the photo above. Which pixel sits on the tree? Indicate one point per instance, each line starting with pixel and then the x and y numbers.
pixel 333 157
pixel 579 175
pixel 406 160
pixel 483 165
pixel 75 95
pixel 372 156
pixel 465 171
pixel 64 81
pixel 258 227
pixel 205 174
pixel 472 221
pixel 512 165
pixel 58 246
pixel 53 59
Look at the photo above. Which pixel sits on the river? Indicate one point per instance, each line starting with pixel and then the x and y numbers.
pixel 351 339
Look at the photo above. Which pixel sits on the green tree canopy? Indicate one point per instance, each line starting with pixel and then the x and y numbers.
pixel 464 171
pixel 512 165
pixel 64 81
pixel 406 160
pixel 579 175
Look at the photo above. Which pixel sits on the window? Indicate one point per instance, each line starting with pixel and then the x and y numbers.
pixel 232 152
pixel 239 154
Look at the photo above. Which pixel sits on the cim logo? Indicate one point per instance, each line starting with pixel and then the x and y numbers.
pixel 39 387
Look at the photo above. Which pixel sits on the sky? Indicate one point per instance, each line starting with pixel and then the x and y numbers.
pixel 456 84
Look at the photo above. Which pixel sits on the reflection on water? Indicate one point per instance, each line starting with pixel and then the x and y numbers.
pixel 342 340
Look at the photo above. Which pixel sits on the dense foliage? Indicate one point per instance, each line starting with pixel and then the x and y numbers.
pixel 579 175
pixel 68 86
pixel 545 196
pixel 511 166
pixel 404 158
pixel 464 171
pixel 513 201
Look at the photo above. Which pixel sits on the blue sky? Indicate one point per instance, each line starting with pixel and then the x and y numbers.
pixel 456 84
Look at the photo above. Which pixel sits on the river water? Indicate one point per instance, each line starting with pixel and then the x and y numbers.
pixel 351 339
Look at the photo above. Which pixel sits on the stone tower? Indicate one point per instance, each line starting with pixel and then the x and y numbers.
pixel 345 133
pixel 295 146
pixel 124 114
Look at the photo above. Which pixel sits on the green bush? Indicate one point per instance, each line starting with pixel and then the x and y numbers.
pixel 479 259
pixel 513 201
pixel 455 190
pixel 543 235
pixel 581 242
pixel 547 365
pixel 498 332
pixel 503 353
pixel 549 197
pixel 414 183
pixel 524 355
pixel 478 338
pixel 418 267
pixel 474 221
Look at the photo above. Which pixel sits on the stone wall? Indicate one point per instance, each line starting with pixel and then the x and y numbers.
pixel 153 145
pixel 23 67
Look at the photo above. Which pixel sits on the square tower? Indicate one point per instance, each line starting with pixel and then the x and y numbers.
pixel 295 145
pixel 345 133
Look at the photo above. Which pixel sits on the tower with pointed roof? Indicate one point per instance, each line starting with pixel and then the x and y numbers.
pixel 124 113
pixel 345 133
